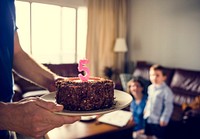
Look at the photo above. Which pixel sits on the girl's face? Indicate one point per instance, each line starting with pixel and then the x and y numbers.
pixel 157 77
pixel 135 88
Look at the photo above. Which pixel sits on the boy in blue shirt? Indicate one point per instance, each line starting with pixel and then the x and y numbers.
pixel 159 105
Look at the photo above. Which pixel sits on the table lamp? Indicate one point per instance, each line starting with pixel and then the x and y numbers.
pixel 120 48
pixel 120 45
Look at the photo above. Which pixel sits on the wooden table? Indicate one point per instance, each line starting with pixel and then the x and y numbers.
pixel 91 130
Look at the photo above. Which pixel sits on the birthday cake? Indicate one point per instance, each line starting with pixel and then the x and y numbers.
pixel 77 95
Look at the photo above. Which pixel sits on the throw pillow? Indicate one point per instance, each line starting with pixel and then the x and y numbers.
pixel 125 78
pixel 146 83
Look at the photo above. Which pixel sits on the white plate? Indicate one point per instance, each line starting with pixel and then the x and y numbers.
pixel 122 100
pixel 88 118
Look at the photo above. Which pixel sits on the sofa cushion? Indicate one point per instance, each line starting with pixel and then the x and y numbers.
pixel 185 86
pixel 125 78
pixel 177 113
pixel 142 70
pixel 169 73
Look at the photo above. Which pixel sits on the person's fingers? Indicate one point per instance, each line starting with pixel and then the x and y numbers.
pixel 58 120
pixel 55 120
pixel 71 119
pixel 40 102
pixel 28 99
pixel 43 132
pixel 58 78
pixel 53 107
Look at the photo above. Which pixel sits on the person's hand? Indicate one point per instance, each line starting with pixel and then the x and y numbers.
pixel 34 117
pixel 56 78
pixel 162 123
pixel 52 86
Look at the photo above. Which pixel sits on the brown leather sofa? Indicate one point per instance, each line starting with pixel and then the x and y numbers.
pixel 185 85
pixel 22 86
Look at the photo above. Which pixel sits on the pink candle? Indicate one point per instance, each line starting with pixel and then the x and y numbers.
pixel 82 67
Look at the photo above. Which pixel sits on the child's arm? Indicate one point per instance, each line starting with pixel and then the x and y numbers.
pixel 162 123
pixel 168 108
pixel 146 111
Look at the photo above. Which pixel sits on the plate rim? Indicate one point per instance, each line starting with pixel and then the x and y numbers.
pixel 115 107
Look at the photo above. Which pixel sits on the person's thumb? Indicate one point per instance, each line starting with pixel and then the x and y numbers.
pixel 49 105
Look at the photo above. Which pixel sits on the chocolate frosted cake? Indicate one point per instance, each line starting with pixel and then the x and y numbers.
pixel 96 93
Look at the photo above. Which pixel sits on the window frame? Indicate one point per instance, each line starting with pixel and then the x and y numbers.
pixel 62 3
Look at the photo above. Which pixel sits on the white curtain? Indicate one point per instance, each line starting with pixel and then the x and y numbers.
pixel 106 22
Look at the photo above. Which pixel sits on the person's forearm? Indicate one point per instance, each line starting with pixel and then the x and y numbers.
pixel 32 117
pixel 5 116
pixel 2 116
pixel 30 69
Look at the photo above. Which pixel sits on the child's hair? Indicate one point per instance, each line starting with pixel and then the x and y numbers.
pixel 134 79
pixel 158 67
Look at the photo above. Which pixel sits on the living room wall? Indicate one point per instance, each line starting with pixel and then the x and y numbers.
pixel 165 32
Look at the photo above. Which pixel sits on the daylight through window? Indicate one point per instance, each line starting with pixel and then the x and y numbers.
pixel 51 33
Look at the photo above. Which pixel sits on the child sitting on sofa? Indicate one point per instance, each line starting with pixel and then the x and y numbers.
pixel 135 87
pixel 159 105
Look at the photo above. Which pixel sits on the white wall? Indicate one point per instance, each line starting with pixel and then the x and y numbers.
pixel 166 32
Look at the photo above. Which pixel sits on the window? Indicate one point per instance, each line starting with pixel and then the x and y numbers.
pixel 52 33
